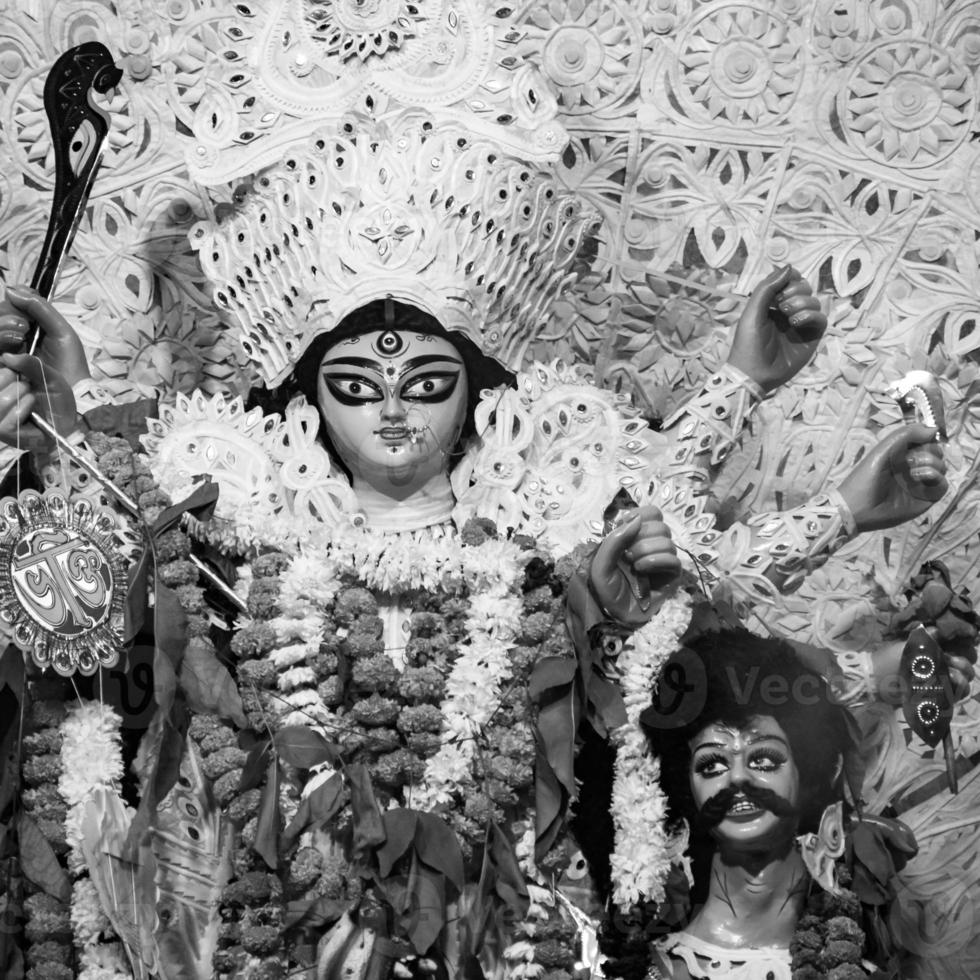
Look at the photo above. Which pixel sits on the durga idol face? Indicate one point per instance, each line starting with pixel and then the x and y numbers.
pixel 393 403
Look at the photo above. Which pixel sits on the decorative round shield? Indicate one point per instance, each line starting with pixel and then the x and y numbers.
pixel 62 582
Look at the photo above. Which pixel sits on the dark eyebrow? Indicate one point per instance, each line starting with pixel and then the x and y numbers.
pixel 752 740
pixel 360 362
pixel 710 745
pixel 766 738
pixel 409 365
pixel 417 362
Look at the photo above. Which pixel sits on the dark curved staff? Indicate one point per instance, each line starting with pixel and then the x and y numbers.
pixel 79 128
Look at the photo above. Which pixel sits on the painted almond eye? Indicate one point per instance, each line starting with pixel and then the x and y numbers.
pixel 430 386
pixel 352 389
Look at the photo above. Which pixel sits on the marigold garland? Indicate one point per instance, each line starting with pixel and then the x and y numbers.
pixel 252 905
pixel 251 936
pixel 829 939
pixel 47 929
pixel 447 720
pixel 447 724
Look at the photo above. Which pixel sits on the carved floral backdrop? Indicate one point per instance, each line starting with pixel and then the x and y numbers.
pixel 716 139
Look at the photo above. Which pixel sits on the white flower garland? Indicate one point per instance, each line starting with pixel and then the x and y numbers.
pixel 643 851
pixel 306 586
pixel 428 559
pixel 91 757
pixel 492 571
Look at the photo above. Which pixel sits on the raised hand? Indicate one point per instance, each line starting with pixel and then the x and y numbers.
pixel 779 329
pixel 41 383
pixel 898 480
pixel 634 564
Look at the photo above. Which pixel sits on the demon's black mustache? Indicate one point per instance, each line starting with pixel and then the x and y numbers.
pixel 715 809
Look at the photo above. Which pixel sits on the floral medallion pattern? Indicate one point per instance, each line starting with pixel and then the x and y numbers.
pixel 908 104
pixel 740 64
pixel 589 50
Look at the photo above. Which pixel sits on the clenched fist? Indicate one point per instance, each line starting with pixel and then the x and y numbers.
pixel 633 566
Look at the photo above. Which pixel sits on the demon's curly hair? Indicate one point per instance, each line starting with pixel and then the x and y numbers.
pixel 730 677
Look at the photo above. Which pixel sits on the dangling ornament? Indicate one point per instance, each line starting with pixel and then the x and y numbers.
pixel 62 582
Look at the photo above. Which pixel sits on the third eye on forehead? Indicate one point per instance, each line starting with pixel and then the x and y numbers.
pixel 400 367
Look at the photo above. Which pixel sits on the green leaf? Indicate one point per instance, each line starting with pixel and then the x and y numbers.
pixel 137 590
pixel 551 672
pixel 399 828
pixel 304 748
pixel 162 776
pixel 610 709
pixel 171 754
pixel 368 827
pixel 267 830
pixel 550 802
pixel 200 503
pixel 255 766
pixel 207 684
pixel 871 851
pixel 314 913
pixel 127 420
pixel 439 848
pixel 39 862
pixel 170 639
pixel 509 882
pixel 471 969
pixel 477 916
pixel 557 726
pixel 11 958
pixel 425 916
pixel 316 809
pixel 12 672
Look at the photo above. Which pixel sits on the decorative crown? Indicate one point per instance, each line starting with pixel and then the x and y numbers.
pixel 409 208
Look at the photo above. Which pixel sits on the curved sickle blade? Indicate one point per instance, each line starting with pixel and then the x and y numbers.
pixel 78 130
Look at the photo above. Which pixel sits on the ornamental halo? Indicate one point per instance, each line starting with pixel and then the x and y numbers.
pixel 275 477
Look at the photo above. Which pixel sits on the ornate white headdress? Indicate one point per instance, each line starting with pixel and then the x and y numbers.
pixel 409 208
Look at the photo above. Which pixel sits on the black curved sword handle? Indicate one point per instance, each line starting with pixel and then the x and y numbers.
pixel 78 131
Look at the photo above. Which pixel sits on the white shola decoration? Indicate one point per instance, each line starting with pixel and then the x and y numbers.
pixel 482 241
